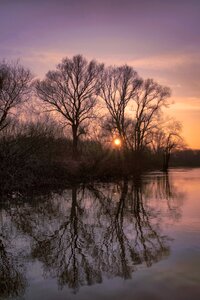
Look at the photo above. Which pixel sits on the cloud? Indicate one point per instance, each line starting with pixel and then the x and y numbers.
pixel 166 61
pixel 186 106
pixel 40 61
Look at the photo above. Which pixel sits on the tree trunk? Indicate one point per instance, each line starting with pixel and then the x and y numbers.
pixel 75 141
pixel 166 161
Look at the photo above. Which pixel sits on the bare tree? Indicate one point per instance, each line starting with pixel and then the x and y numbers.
pixel 71 91
pixel 166 139
pixel 172 141
pixel 15 83
pixel 119 85
pixel 150 99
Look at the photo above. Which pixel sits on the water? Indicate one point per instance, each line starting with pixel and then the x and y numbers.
pixel 136 239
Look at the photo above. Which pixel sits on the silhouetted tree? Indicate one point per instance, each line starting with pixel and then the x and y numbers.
pixel 150 99
pixel 118 86
pixel 173 141
pixel 167 139
pixel 71 91
pixel 15 83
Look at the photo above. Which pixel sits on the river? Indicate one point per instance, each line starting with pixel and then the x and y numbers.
pixel 131 239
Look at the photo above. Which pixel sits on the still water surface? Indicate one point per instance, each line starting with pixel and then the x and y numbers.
pixel 137 239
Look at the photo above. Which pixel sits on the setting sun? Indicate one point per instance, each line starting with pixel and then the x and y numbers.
pixel 117 142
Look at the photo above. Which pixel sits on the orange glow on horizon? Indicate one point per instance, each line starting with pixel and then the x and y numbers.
pixel 190 121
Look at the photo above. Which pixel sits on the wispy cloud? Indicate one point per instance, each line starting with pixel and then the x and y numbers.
pixel 166 61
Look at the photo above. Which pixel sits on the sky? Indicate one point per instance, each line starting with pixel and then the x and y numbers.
pixel 159 38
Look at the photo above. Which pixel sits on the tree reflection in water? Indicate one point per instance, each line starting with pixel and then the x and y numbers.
pixel 96 231
pixel 12 278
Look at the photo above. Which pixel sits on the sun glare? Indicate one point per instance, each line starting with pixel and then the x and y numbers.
pixel 117 142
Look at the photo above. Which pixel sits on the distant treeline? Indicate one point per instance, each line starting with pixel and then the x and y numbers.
pixel 83 121
pixel 185 158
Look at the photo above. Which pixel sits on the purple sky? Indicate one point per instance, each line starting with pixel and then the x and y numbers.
pixel 160 39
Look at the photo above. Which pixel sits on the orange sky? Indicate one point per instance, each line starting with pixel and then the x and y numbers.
pixel 190 119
